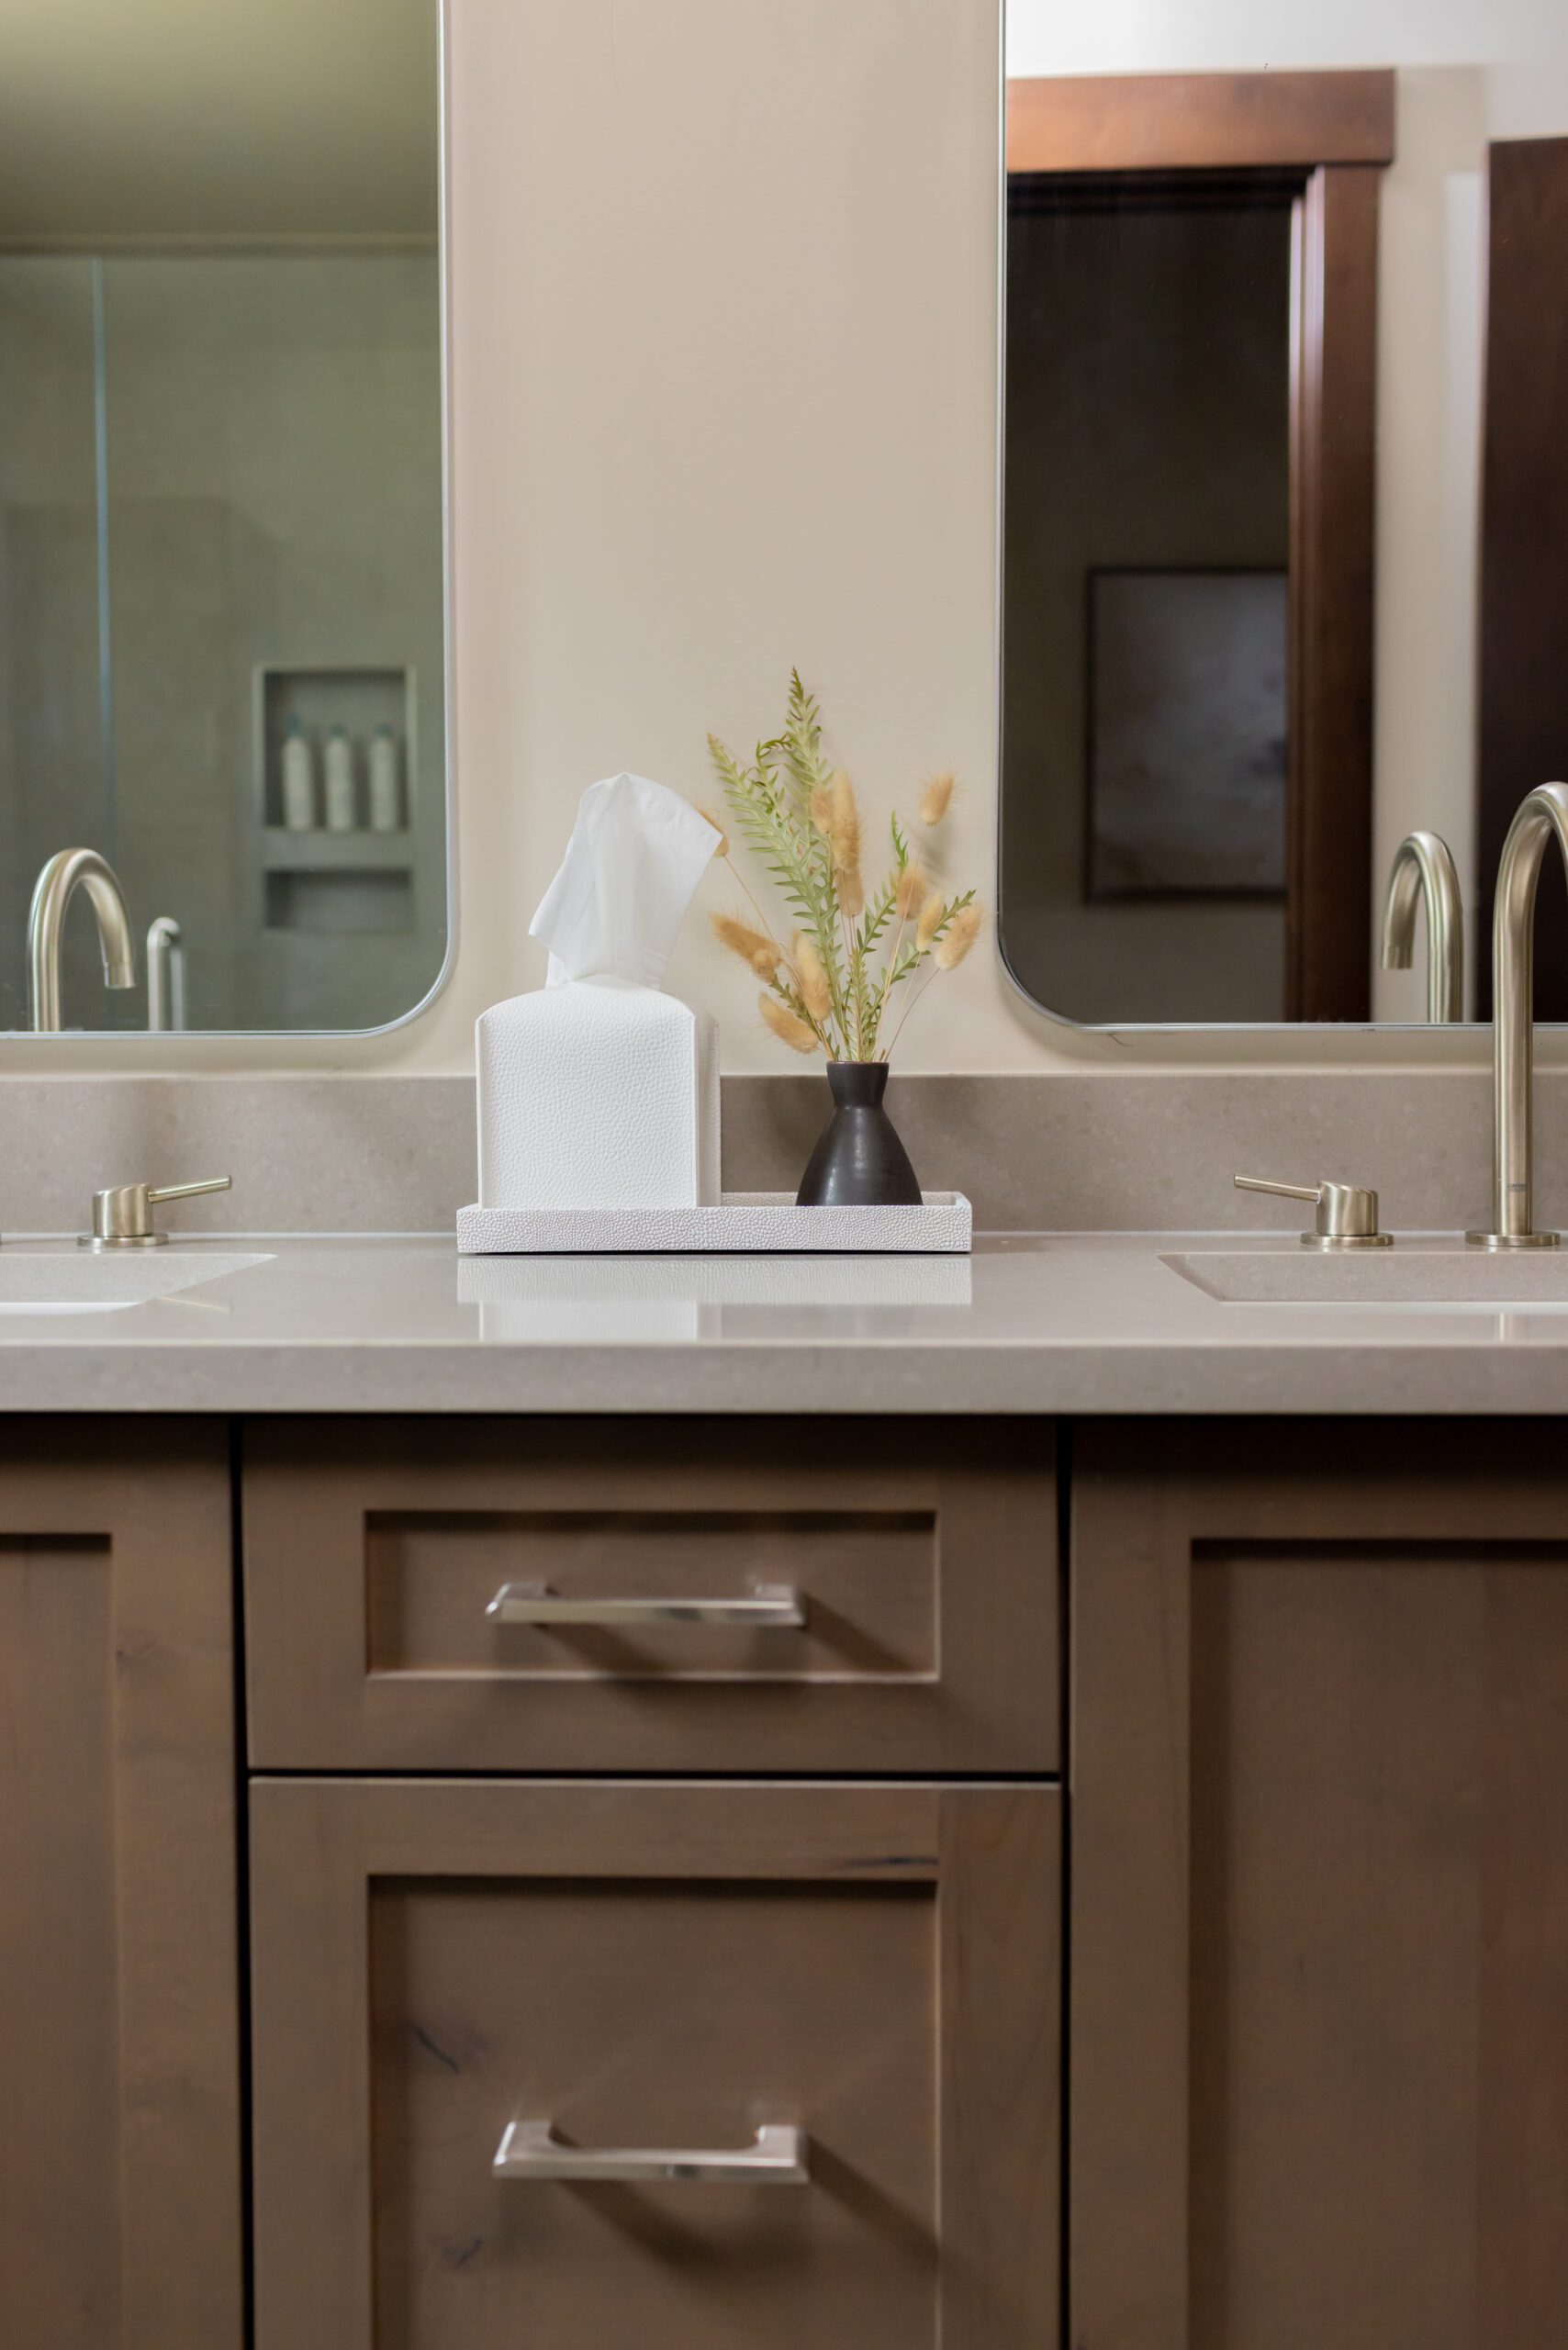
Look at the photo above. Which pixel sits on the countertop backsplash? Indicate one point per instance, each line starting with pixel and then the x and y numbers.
pixel 1077 1153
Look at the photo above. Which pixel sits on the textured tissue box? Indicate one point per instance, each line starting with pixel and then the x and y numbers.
pixel 598 1094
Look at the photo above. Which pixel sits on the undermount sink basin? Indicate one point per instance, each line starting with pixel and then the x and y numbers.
pixel 1407 1274
pixel 1414 1272
pixel 75 1280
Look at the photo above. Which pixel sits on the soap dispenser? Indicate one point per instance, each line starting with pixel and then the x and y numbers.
pixel 298 763
pixel 340 809
pixel 386 782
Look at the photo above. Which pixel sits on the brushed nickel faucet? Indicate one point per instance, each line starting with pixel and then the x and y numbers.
pixel 1423 868
pixel 71 869
pixel 1542 814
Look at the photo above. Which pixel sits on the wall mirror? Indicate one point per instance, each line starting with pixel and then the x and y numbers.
pixel 221 515
pixel 1285 504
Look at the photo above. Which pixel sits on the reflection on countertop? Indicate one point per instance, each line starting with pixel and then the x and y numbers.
pixel 542 1301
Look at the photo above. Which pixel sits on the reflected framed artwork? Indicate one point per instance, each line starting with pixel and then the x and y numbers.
pixel 1187 732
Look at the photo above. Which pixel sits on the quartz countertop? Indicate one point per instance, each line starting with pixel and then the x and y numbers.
pixel 1030 1323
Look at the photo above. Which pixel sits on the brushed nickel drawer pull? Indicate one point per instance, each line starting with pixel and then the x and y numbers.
pixel 530 2150
pixel 774 1606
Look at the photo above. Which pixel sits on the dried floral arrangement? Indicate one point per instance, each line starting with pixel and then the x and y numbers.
pixel 831 988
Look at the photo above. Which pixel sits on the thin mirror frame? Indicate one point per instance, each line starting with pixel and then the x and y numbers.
pixel 1326 1028
pixel 177 1039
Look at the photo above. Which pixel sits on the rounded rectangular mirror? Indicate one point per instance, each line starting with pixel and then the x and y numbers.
pixel 1285 504
pixel 223 633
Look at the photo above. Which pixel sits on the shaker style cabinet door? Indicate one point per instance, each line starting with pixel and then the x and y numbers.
pixel 685 2067
pixel 644 1594
pixel 120 2120
pixel 1318 2045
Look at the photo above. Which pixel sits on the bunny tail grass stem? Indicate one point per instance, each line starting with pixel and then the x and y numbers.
pixel 787 1025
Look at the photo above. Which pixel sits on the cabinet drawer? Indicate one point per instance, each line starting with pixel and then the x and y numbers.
pixel 868 1974
pixel 651 1596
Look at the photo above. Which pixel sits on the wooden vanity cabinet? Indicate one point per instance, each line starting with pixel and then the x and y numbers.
pixel 1318 2005
pixel 121 2218
pixel 644 1966
pixel 804 1876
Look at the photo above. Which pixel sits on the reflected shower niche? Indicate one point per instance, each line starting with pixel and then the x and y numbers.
pixel 336 790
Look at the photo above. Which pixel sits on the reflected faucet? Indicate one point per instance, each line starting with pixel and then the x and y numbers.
pixel 1423 868
pixel 74 868
pixel 165 974
pixel 1542 814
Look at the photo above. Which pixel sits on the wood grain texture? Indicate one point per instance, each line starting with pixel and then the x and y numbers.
pixel 655 1964
pixel 1522 719
pixel 1328 926
pixel 925 1554
pixel 1320 1889
pixel 1186 121
pixel 119 2124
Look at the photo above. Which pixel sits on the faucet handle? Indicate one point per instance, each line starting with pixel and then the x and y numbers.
pixel 1347 1212
pixel 122 1216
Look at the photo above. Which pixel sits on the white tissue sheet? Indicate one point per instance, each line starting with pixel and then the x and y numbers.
pixel 635 856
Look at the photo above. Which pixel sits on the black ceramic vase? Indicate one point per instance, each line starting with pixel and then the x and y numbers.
pixel 859 1161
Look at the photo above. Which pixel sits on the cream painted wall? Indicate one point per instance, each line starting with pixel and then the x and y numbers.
pixel 724 289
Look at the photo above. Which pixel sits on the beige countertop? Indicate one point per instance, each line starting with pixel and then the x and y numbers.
pixel 1030 1323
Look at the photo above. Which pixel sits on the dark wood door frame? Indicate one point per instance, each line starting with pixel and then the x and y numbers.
pixel 1522 714
pixel 1334 133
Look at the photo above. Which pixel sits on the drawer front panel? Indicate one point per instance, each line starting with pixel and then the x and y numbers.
pixel 638 1979
pixel 651 1596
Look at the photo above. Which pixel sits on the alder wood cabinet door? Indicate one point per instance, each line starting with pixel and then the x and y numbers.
pixel 910 1567
pixel 120 2122
pixel 638 1966
pixel 1318 2041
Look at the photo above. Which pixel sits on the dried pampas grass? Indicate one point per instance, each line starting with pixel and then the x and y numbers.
pixel 787 1026
pixel 935 800
pixel 753 946
pixel 816 993
pixel 856 937
pixel 931 914
pixel 844 837
pixel 957 938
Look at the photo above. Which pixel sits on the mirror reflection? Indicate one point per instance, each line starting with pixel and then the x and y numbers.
pixel 223 765
pixel 1285 504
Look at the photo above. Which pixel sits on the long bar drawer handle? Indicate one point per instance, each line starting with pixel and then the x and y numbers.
pixel 777 1605
pixel 779 2157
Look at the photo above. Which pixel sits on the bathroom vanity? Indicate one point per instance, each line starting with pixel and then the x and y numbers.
pixel 743 1877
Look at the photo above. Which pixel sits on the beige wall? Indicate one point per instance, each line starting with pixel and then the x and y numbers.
pixel 724 276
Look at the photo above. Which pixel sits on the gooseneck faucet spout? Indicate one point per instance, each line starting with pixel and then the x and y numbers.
pixel 1424 868
pixel 1542 814
pixel 64 874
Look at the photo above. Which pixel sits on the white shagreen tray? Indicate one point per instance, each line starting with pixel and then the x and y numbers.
pixel 744 1221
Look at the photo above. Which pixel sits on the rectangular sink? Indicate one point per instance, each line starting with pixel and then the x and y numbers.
pixel 1417 1273
pixel 75 1280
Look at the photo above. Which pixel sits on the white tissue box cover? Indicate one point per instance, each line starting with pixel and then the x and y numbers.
pixel 598 1094
pixel 941 1225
